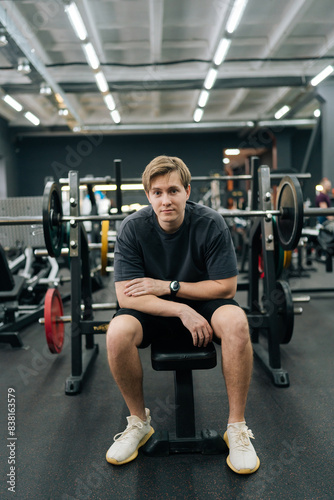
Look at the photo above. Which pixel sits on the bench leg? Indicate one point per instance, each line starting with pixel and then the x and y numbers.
pixel 184 402
pixel 163 443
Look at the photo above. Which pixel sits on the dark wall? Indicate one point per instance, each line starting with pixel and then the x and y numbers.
pixel 55 156
pixel 40 157
pixel 299 144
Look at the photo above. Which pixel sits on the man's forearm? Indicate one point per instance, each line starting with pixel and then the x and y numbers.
pixel 204 290
pixel 150 304
pixel 208 290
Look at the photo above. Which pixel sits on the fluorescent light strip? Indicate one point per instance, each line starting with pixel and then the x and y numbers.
pixel 115 116
pixel 322 75
pixel 232 152
pixel 281 112
pixel 221 51
pixel 14 104
pixel 92 59
pixel 210 78
pixel 32 118
pixel 109 187
pixel 109 101
pixel 198 114
pixel 235 16
pixel 101 81
pixel 76 21
pixel 288 122
pixel 203 98
pixel 91 56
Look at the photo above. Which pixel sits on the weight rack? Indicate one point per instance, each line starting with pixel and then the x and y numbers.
pixel 82 322
pixel 272 316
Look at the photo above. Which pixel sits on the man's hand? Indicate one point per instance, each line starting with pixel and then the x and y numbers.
pixel 198 326
pixel 146 286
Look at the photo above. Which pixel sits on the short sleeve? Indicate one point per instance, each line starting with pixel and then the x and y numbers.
pixel 128 261
pixel 220 257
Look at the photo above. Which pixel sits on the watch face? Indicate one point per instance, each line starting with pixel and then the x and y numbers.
pixel 175 286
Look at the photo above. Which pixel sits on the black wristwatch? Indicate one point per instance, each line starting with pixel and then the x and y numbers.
pixel 174 288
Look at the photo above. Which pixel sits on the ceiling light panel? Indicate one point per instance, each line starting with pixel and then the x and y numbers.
pixel 76 21
pixel 32 118
pixel 235 16
pixel 101 82
pixel 12 102
pixel 91 55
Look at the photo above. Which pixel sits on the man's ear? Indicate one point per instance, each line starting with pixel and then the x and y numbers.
pixel 148 196
pixel 188 191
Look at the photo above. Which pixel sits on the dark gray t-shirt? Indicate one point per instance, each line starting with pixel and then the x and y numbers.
pixel 201 249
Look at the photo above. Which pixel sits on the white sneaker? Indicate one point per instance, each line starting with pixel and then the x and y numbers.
pixel 242 458
pixel 127 443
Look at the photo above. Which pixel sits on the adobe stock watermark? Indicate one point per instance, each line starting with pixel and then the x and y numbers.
pixel 47 10
pixel 40 360
pixel 275 299
pixel 85 487
pixel 92 482
pixel 74 156
pixel 163 410
pixel 289 454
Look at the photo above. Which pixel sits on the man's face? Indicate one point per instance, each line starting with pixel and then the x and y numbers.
pixel 327 186
pixel 168 198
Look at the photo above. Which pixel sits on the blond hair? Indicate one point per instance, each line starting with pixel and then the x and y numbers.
pixel 165 165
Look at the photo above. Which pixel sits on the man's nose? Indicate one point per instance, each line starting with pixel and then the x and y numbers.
pixel 166 199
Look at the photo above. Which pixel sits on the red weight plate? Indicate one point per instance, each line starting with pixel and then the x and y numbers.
pixel 54 328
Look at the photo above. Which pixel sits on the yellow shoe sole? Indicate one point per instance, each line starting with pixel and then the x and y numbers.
pixel 241 471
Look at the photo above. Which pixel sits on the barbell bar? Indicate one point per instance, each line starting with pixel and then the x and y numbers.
pixel 28 220
pixel 196 178
pixel 106 306
pixel 289 212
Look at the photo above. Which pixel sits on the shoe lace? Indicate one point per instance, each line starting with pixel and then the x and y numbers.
pixel 125 433
pixel 242 437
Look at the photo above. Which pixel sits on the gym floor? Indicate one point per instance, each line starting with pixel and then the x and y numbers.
pixel 62 440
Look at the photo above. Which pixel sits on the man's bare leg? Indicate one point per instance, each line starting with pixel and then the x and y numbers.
pixel 231 326
pixel 123 336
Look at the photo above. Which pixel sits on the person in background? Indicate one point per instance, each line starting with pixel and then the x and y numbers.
pixel 323 200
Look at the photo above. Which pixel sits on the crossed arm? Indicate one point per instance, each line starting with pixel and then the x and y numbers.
pixel 143 294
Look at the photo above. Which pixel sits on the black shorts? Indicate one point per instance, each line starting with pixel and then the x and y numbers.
pixel 166 327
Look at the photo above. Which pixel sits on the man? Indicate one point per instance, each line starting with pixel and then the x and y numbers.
pixel 175 267
pixel 323 200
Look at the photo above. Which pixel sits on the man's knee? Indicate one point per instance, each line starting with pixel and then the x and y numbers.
pixel 123 332
pixel 231 325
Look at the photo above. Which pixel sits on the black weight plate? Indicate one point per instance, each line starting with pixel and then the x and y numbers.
pixel 52 216
pixel 285 311
pixel 290 204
